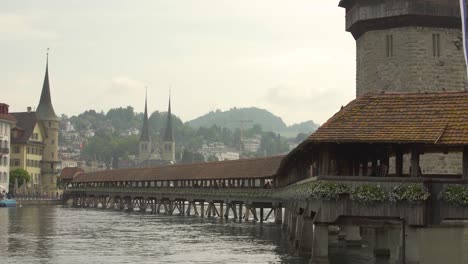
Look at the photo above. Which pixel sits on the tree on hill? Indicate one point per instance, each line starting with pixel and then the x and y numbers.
pixel 124 118
pixel 88 119
pixel 107 147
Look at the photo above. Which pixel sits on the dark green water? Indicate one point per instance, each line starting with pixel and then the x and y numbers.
pixel 69 235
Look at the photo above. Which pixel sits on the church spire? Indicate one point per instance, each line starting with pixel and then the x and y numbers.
pixel 169 136
pixel 145 129
pixel 45 110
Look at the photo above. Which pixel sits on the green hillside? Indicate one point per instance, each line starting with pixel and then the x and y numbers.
pixel 269 122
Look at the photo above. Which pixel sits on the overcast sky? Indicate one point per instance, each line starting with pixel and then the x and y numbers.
pixel 293 58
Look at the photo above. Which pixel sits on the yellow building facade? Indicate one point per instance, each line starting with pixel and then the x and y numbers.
pixel 27 148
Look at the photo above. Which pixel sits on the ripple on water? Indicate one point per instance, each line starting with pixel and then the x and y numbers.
pixel 70 235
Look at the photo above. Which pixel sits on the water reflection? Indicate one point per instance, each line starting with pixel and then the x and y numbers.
pixel 70 235
pixel 67 235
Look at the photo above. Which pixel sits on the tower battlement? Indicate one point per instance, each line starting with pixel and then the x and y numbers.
pixel 406 45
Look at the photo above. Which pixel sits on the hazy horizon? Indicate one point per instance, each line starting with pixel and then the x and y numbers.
pixel 292 59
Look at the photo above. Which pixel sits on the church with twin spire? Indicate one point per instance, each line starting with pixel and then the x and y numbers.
pixel 151 153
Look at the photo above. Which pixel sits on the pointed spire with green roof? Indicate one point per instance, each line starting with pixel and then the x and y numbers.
pixel 169 136
pixel 45 110
pixel 145 129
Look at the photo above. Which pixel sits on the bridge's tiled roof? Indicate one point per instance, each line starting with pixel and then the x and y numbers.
pixel 435 118
pixel 69 173
pixel 232 169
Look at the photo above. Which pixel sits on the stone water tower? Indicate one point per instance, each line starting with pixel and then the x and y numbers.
pixel 406 45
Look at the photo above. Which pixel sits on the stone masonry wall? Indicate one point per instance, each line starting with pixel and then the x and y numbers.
pixel 412 67
pixel 433 163
pixel 50 158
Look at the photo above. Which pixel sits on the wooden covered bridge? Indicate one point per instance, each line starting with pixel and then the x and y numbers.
pixel 395 163
pixel 185 188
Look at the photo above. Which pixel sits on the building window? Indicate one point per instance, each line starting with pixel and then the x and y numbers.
pixel 16 162
pixel 5 161
pixel 436 45
pixel 16 149
pixel 389 45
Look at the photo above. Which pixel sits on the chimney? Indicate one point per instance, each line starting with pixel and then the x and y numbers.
pixel 3 109
pixel 29 109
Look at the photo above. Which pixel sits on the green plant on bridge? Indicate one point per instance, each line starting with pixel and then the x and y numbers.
pixel 368 194
pixel 329 191
pixel 411 193
pixel 455 194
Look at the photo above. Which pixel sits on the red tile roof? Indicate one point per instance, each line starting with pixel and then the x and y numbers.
pixel 69 173
pixel 434 118
pixel 232 169
pixel 7 117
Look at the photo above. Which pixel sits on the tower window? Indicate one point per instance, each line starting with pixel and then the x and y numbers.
pixel 389 45
pixel 436 45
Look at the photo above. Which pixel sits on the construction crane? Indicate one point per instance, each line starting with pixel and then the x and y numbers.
pixel 242 122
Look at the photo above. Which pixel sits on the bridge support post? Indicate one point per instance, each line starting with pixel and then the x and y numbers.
pixel 298 231
pixel 387 243
pixel 240 212
pixel 221 210
pixel 306 236
pixel 292 222
pixel 278 215
pixel 320 245
pixel 411 253
pixel 228 207
pixel 195 209
pixel 254 213
pixel 111 203
pixel 261 214
pixel 352 235
pixel 286 218
pixel 130 205
pixel 208 210
pixel 171 207
pixel 189 205
pixel 158 210
pixel 121 203
pixel 202 208
pixel 247 212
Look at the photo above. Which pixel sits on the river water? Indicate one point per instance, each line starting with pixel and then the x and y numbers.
pixel 55 234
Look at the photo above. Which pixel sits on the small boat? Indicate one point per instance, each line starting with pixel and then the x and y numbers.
pixel 8 203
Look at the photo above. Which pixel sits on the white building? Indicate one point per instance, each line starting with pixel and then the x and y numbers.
pixel 6 122
pixel 219 150
pixel 252 144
